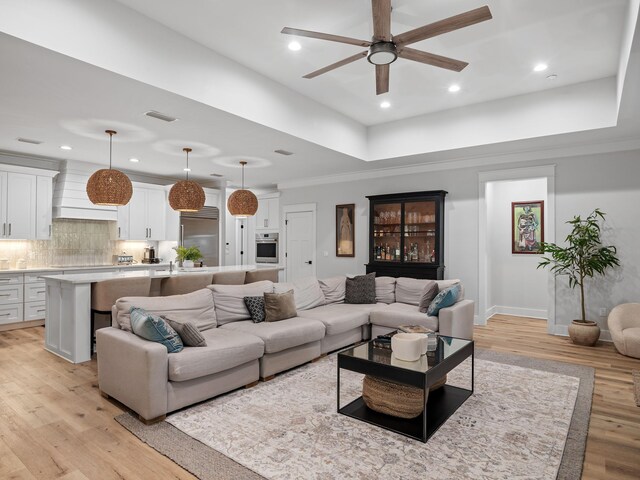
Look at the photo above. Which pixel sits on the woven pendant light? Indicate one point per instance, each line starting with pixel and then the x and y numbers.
pixel 242 203
pixel 186 195
pixel 108 186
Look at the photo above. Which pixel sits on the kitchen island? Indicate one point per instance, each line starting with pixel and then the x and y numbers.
pixel 68 305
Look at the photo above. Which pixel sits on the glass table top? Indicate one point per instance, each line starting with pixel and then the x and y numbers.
pixel 446 347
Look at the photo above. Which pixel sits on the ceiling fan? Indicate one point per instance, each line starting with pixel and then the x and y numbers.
pixel 385 48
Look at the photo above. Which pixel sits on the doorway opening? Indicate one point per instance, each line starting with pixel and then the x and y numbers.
pixel 510 228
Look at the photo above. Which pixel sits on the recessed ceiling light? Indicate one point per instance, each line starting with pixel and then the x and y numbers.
pixel 186 169
pixel 541 67
pixel 454 88
pixel 385 104
pixel 294 46
pixel 65 147
pixel 553 76
pixel 134 160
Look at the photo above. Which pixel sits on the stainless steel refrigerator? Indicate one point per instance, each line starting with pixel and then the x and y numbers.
pixel 201 229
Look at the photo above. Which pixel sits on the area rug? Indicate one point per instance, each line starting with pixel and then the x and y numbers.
pixel 636 386
pixel 527 419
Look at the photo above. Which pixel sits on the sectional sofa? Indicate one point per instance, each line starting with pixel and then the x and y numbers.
pixel 144 377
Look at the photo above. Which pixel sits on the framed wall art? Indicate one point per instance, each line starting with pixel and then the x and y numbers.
pixel 527 227
pixel 345 233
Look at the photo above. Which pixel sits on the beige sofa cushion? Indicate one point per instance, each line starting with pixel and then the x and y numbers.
pixel 306 291
pixel 409 290
pixel 385 289
pixel 333 288
pixel 279 306
pixel 396 314
pixel 278 336
pixel 339 317
pixel 196 307
pixel 229 299
pixel 225 349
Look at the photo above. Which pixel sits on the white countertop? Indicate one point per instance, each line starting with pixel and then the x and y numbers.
pixel 80 268
pixel 77 278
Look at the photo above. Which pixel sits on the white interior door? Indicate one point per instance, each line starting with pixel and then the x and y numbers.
pixel 300 253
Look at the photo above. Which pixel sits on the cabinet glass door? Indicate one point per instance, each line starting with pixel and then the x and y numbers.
pixel 420 232
pixel 387 236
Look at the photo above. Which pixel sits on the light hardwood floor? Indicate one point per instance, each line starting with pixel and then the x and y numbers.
pixel 54 424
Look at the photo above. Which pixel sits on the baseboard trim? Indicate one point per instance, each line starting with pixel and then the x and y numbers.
pixel 517 312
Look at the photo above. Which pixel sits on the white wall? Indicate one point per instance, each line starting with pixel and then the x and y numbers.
pixel 608 181
pixel 516 286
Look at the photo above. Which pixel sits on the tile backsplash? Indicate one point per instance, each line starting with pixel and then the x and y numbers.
pixel 73 243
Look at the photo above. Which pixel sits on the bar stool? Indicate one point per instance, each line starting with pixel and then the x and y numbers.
pixel 229 278
pixel 262 274
pixel 187 283
pixel 105 293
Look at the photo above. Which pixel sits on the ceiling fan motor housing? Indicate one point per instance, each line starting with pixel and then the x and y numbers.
pixel 382 53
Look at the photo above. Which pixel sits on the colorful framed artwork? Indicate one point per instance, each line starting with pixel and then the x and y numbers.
pixel 527 227
pixel 345 234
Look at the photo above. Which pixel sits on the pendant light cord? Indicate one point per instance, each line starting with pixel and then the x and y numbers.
pixel 187 165
pixel 242 177
pixel 110 148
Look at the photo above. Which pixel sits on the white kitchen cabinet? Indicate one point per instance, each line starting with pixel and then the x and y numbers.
pixel 44 207
pixel 147 214
pixel 20 202
pixel 11 313
pixel 25 204
pixel 268 214
pixel 123 232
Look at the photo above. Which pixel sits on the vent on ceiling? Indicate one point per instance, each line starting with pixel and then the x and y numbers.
pixel 160 116
pixel 29 140
pixel 283 152
pixel 216 175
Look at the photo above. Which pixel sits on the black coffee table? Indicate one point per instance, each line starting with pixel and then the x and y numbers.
pixel 441 403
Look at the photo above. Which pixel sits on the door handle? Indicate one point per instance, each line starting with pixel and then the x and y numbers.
pixel 118 232
pixel 309 262
pixel 9 229
pixel 4 229
pixel 149 232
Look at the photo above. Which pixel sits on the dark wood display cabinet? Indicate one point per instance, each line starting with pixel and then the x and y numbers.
pixel 406 234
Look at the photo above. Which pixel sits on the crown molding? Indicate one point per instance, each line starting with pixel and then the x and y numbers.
pixel 470 161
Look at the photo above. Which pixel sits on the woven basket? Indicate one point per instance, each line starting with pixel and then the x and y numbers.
pixel 395 399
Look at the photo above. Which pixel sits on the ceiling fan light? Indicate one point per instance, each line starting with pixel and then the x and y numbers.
pixel 382 53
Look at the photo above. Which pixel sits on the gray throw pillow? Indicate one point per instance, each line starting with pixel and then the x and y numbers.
pixel 361 289
pixel 188 332
pixel 279 306
pixel 428 293
pixel 255 305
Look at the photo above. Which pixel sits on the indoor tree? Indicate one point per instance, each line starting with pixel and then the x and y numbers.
pixel 584 256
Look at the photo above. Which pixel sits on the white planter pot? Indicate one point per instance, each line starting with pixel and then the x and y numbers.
pixel 187 263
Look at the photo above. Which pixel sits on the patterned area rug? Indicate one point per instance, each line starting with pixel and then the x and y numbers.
pixel 514 426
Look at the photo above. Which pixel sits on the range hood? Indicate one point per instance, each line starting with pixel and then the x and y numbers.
pixel 70 198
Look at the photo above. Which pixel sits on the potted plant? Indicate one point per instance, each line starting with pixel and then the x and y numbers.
pixel 582 258
pixel 187 255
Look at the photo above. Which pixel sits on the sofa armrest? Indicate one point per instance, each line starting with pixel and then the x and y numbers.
pixel 457 320
pixel 133 370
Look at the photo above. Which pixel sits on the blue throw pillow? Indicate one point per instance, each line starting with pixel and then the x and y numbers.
pixel 445 298
pixel 155 329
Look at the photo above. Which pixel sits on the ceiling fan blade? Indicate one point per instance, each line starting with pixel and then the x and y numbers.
pixel 325 36
pixel 333 66
pixel 382 79
pixel 381 19
pixel 444 26
pixel 432 59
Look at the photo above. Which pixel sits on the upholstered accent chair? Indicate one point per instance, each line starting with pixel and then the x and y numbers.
pixel 624 326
